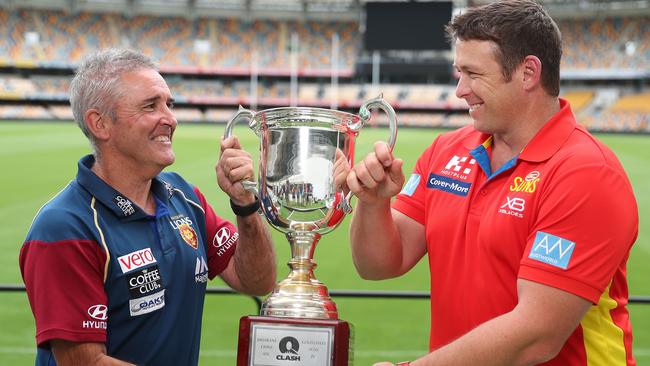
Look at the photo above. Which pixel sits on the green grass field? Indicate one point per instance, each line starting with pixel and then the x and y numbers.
pixel 39 159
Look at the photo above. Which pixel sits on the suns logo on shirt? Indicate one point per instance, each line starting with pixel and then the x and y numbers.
pixel 527 184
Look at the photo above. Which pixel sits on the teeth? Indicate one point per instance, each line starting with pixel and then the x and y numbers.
pixel 161 139
pixel 474 106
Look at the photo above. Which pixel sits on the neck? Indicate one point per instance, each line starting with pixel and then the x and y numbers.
pixel 508 144
pixel 133 184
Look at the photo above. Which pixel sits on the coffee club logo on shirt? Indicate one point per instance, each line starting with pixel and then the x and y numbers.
pixel 125 205
pixel 527 184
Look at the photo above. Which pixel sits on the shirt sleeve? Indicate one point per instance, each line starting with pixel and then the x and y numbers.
pixel 65 287
pixel 222 238
pixel 585 227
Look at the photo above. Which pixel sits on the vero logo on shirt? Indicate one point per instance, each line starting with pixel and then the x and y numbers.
pixel 552 250
pixel 135 260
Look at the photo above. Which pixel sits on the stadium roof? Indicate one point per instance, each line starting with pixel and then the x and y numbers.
pixel 305 9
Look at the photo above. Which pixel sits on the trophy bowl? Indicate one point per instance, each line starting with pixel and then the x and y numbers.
pixel 296 190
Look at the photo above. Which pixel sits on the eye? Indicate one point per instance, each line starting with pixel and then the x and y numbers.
pixel 149 107
pixel 170 105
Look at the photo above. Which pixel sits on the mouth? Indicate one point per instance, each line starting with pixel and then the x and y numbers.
pixel 163 138
pixel 474 107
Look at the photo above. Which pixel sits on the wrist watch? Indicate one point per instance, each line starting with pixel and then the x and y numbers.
pixel 247 210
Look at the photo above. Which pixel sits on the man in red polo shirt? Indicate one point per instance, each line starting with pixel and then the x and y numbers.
pixel 527 219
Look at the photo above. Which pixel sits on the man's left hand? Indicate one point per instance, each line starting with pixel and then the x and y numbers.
pixel 234 166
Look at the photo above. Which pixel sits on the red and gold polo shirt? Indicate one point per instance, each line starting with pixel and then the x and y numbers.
pixel 561 213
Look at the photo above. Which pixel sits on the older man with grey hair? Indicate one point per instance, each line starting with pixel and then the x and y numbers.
pixel 116 264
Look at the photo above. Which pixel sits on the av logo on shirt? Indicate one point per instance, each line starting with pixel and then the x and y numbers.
pixel 411 185
pixel 551 249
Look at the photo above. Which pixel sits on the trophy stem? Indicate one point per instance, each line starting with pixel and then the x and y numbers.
pixel 301 295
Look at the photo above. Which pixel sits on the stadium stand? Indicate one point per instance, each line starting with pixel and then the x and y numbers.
pixel 208 63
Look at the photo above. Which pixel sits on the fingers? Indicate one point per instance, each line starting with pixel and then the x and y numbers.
pixel 341 171
pixel 231 142
pixel 383 153
pixel 236 167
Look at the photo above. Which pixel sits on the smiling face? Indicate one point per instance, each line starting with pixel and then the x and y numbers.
pixel 493 101
pixel 141 135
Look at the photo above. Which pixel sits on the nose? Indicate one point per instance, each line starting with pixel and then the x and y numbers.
pixel 169 116
pixel 462 88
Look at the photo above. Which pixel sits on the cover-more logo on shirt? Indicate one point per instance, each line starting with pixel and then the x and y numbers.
pixel 135 260
pixel 551 249
pixel 449 185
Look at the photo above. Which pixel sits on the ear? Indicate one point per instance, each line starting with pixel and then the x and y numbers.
pixel 98 124
pixel 532 72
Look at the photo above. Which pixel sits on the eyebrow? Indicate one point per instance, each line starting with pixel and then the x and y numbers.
pixel 156 98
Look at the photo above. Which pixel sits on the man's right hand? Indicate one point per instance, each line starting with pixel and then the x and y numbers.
pixel 378 177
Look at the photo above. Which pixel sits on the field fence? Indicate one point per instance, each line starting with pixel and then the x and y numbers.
pixel 334 293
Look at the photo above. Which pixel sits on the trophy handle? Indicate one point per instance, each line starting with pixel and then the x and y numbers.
pixel 379 102
pixel 364 113
pixel 243 113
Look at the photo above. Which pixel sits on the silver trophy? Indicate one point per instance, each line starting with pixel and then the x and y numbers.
pixel 296 190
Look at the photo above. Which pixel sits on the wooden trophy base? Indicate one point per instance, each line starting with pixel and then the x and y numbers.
pixel 275 341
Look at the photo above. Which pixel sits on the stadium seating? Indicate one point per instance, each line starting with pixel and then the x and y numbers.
pixel 232 49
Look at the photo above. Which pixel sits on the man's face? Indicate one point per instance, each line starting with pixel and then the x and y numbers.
pixel 142 134
pixel 493 102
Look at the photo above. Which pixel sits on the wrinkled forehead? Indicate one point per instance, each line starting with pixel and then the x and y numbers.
pixel 143 84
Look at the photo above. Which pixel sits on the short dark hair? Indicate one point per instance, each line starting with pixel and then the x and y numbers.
pixel 519 28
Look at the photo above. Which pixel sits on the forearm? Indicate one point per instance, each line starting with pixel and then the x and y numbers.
pixel 375 241
pixel 254 257
pixel 83 354
pixel 500 341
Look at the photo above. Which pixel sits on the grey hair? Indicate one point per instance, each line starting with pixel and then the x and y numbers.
pixel 96 84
